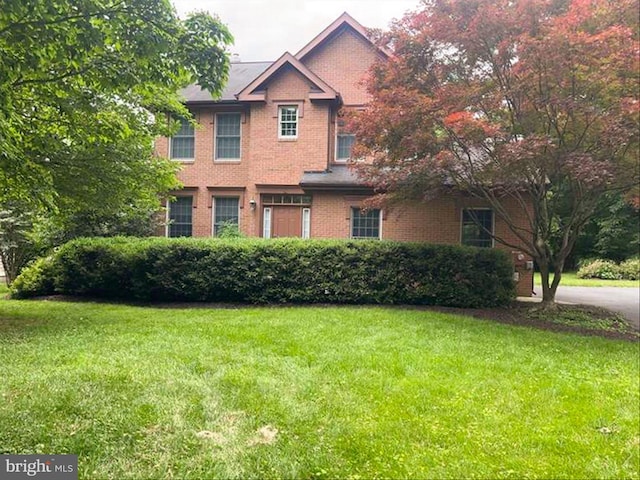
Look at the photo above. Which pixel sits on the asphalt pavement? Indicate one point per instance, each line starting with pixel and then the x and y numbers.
pixel 619 299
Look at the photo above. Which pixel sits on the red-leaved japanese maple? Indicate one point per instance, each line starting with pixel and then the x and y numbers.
pixel 534 101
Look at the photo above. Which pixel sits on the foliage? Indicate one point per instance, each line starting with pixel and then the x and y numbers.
pixel 229 230
pixel 134 220
pixel 529 102
pixel 570 279
pixel 605 269
pixel 586 318
pixel 85 88
pixel 279 271
pixel 630 268
pixel 612 232
pixel 21 239
pixel 38 279
pixel 608 270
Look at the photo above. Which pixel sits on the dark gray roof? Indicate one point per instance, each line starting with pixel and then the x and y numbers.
pixel 336 178
pixel 240 75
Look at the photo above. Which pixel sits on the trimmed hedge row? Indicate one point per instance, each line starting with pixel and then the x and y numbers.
pixel 272 271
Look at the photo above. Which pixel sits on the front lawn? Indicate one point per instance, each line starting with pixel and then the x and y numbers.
pixel 570 279
pixel 339 392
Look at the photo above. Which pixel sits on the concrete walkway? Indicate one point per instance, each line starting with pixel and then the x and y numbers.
pixel 619 299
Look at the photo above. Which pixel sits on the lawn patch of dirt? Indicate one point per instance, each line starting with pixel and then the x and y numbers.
pixel 581 319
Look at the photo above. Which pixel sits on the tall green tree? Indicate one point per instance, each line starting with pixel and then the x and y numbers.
pixel 533 102
pixel 85 87
pixel 612 232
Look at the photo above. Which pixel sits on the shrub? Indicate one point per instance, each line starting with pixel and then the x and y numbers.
pixel 630 269
pixel 274 271
pixel 604 269
pixel 229 230
pixel 35 280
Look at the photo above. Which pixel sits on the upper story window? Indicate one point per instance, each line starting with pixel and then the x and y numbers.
pixel 183 142
pixel 343 147
pixel 288 122
pixel 228 136
pixel 366 224
pixel 477 227
pixel 180 217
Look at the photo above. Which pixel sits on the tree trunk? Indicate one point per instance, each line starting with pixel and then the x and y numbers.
pixel 548 288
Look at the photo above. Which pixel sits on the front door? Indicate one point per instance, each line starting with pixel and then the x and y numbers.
pixel 286 221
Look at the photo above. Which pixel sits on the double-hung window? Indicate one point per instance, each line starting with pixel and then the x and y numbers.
pixel 228 136
pixel 477 227
pixel 344 146
pixel 366 223
pixel 183 142
pixel 180 217
pixel 288 122
pixel 226 212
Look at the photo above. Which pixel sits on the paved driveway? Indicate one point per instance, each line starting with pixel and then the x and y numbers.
pixel 623 300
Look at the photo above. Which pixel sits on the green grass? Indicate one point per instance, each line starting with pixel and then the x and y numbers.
pixel 570 279
pixel 353 393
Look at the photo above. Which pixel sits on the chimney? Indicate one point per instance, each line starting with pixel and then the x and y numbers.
pixel 235 58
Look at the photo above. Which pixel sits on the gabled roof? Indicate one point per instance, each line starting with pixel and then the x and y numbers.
pixel 343 20
pixel 255 91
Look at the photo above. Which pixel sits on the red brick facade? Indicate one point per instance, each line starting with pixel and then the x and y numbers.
pixel 324 77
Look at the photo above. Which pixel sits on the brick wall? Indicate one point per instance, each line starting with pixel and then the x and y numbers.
pixel 343 62
pixel 438 221
pixel 272 165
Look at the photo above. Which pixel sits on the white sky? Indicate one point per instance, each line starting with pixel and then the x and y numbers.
pixel 265 29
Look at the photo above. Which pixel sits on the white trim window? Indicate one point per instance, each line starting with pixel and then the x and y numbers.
pixel 366 224
pixel 288 122
pixel 228 137
pixel 266 223
pixel 180 217
pixel 476 229
pixel 182 144
pixel 226 211
pixel 306 222
pixel 344 145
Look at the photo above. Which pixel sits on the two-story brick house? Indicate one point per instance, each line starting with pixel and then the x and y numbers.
pixel 271 155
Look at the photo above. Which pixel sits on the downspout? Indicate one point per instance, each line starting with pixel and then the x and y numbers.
pixel 330 134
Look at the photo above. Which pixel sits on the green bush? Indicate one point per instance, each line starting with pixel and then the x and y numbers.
pixel 229 230
pixel 608 270
pixel 604 269
pixel 273 271
pixel 630 269
pixel 35 280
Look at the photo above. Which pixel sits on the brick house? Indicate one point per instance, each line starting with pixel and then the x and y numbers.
pixel 271 156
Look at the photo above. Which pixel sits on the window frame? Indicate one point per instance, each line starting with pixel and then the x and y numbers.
pixel 183 122
pixel 352 219
pixel 214 207
pixel 493 226
pixel 280 122
pixel 266 222
pixel 339 159
pixel 216 158
pixel 306 223
pixel 168 217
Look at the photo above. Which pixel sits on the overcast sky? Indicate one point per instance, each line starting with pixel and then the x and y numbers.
pixel 265 29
